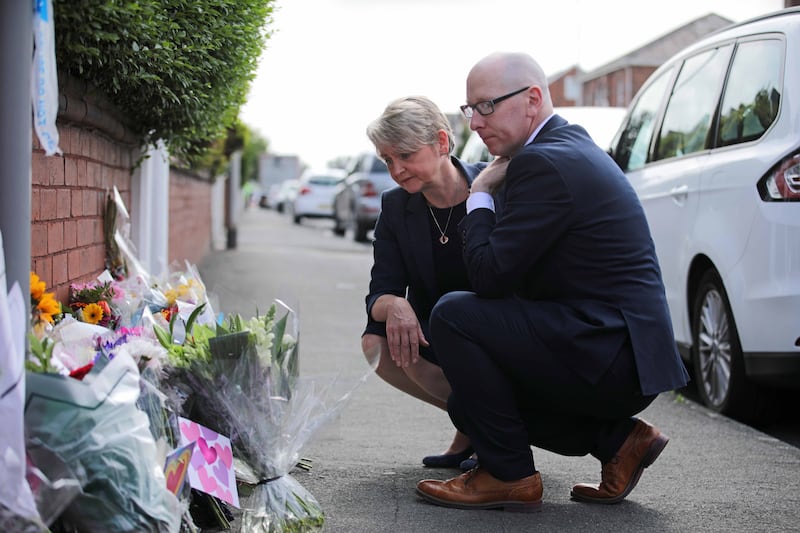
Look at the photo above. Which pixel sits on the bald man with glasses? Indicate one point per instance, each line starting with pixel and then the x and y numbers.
pixel 566 335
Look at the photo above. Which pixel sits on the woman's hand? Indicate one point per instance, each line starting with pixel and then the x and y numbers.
pixel 491 176
pixel 403 332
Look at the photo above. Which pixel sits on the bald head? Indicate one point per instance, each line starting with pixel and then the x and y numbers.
pixel 515 87
pixel 511 69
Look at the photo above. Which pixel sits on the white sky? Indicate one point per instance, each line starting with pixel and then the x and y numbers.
pixel 331 66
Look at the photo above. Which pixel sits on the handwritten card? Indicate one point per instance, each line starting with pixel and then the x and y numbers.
pixel 211 466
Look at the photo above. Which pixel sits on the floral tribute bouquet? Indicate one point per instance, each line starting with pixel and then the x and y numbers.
pixel 95 459
pixel 92 303
pixel 241 378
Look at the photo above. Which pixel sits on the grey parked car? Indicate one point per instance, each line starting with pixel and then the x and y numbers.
pixel 357 201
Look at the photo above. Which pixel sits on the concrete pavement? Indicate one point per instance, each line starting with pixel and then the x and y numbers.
pixel 715 474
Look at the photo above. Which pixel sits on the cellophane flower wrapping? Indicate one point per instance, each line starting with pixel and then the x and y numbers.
pixel 95 428
pixel 243 380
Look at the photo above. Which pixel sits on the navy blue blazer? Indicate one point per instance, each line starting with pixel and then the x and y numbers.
pixel 403 255
pixel 573 242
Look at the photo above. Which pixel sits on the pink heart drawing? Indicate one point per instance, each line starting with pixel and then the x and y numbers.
pixel 208 434
pixel 224 453
pixel 198 461
pixel 209 454
pixel 225 495
pixel 190 430
pixel 221 473
pixel 209 482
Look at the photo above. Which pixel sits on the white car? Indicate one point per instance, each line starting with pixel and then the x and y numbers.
pixel 711 143
pixel 314 195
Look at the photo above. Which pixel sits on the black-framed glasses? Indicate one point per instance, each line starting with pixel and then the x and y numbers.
pixel 487 106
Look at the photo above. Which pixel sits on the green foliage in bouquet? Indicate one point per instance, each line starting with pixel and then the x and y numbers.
pixel 209 349
pixel 240 378
pixel 41 351
pixel 191 350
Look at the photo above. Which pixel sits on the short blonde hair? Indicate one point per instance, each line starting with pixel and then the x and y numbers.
pixel 409 123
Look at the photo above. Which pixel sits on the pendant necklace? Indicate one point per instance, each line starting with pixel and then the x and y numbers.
pixel 443 238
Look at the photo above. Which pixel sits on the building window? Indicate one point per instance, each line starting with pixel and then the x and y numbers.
pixel 572 88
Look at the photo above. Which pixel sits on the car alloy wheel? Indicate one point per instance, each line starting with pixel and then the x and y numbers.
pixel 717 353
pixel 714 349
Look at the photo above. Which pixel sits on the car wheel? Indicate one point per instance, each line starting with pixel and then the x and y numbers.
pixel 296 218
pixel 717 353
pixel 360 231
pixel 338 228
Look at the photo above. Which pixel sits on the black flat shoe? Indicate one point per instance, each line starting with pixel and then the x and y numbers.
pixel 469 463
pixel 449 460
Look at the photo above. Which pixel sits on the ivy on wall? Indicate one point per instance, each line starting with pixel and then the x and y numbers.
pixel 179 70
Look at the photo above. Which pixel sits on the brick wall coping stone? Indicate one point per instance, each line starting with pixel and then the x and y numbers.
pixel 80 103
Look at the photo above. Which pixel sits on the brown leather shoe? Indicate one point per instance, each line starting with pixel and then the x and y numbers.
pixel 620 475
pixel 478 489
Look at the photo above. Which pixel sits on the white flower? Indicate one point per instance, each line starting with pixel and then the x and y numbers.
pixel 143 350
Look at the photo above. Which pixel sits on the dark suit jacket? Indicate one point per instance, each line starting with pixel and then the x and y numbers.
pixel 403 263
pixel 573 243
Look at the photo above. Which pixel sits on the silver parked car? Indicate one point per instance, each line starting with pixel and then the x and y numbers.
pixel 357 201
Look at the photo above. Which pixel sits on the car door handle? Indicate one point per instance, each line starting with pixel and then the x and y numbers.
pixel 679 194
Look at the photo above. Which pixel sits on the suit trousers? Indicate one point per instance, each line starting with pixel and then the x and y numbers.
pixel 510 391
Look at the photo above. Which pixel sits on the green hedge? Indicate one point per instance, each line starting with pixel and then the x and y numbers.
pixel 178 69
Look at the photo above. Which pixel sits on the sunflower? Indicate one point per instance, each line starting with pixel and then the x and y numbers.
pixel 92 314
pixel 37 287
pixel 48 306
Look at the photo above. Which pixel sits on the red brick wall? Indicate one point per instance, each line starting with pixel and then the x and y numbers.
pixel 558 88
pixel 189 217
pixel 67 202
pixel 68 194
pixel 603 89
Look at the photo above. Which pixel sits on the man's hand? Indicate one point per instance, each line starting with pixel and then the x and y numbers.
pixel 491 177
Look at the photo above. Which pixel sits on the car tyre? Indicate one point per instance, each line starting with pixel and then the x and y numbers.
pixel 296 219
pixel 360 231
pixel 338 228
pixel 717 354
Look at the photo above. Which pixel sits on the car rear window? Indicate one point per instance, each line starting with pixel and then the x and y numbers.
pixel 378 166
pixel 324 180
pixel 753 92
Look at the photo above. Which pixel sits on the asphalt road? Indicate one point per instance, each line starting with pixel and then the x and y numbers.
pixel 715 475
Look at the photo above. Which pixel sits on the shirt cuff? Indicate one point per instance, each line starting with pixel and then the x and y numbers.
pixel 479 199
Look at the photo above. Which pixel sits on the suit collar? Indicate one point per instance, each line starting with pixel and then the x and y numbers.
pixel 553 122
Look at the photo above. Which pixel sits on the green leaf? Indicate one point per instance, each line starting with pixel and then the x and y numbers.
pixel 163 336
pixel 192 317
pixel 279 329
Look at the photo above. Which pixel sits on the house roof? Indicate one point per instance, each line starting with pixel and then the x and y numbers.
pixel 656 52
pixel 561 73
